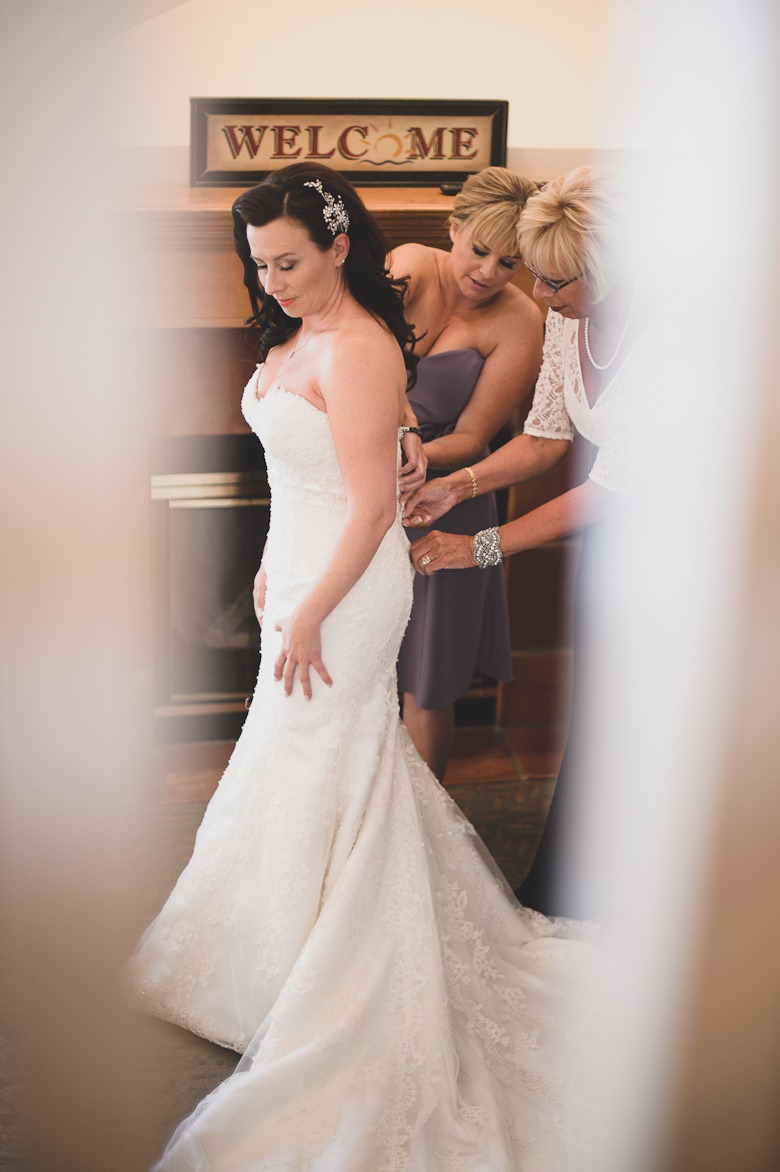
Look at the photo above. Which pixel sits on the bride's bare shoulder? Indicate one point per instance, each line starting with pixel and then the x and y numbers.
pixel 365 344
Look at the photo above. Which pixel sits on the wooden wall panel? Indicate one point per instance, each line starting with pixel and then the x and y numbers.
pixel 186 272
pixel 539 596
pixel 196 378
pixel 539 697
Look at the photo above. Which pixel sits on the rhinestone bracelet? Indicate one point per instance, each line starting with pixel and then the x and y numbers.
pixel 487 550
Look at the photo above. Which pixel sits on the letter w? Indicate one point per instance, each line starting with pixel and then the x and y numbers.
pixel 247 139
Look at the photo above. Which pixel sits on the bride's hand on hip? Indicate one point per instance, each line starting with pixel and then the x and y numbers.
pixel 301 651
pixel 258 593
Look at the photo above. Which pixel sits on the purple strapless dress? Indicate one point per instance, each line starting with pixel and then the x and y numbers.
pixel 459 621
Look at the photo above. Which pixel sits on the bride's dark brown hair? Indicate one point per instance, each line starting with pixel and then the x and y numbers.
pixel 284 193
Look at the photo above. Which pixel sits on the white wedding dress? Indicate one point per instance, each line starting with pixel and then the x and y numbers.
pixel 341 923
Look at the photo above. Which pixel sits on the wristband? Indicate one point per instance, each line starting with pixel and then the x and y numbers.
pixel 416 430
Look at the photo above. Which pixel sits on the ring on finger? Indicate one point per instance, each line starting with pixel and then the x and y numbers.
pixel 425 559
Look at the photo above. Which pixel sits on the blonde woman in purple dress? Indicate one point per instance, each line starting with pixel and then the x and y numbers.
pixel 480 348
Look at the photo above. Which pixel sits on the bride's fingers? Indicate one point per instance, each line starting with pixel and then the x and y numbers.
pixel 279 663
pixel 284 670
pixel 303 676
pixel 322 671
pixel 288 676
pixel 285 667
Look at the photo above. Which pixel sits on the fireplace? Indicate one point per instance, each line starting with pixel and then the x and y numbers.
pixel 209 528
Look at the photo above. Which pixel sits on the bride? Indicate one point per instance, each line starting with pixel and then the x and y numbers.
pixel 339 923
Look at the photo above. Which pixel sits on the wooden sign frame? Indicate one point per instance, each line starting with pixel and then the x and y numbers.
pixel 235 142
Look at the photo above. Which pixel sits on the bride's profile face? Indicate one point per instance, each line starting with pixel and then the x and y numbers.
pixel 291 268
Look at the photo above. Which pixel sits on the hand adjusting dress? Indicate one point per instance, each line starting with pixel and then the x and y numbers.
pixel 339 921
pixel 459 622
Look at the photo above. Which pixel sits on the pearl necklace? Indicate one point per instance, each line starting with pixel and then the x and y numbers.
pixel 623 333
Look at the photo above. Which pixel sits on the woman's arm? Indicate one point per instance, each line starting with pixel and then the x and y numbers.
pixel 258 588
pixel 523 457
pixel 568 512
pixel 515 339
pixel 507 377
pixel 519 459
pixel 402 263
pixel 414 463
pixel 360 388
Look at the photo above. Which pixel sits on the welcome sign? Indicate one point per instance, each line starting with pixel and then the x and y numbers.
pixel 235 141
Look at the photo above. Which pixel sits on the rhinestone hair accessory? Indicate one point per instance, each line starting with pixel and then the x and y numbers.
pixel 334 213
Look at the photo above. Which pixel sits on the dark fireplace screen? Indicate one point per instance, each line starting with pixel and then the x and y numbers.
pixel 209 534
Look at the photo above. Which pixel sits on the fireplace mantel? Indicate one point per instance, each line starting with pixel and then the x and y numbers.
pixel 187 274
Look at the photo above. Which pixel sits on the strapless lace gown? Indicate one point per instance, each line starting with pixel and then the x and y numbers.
pixel 340 921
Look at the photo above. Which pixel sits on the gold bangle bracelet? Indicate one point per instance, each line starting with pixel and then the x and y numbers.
pixel 473 481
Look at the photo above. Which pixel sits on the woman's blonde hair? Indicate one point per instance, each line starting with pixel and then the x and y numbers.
pixel 490 206
pixel 574 227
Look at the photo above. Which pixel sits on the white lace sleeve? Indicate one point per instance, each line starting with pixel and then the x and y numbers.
pixel 548 417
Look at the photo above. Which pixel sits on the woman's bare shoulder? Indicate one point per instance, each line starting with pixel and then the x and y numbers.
pixel 415 261
pixel 516 303
pixel 412 255
pixel 363 338
pixel 514 315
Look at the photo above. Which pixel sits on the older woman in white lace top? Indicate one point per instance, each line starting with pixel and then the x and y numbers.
pixel 593 380
pixel 605 341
